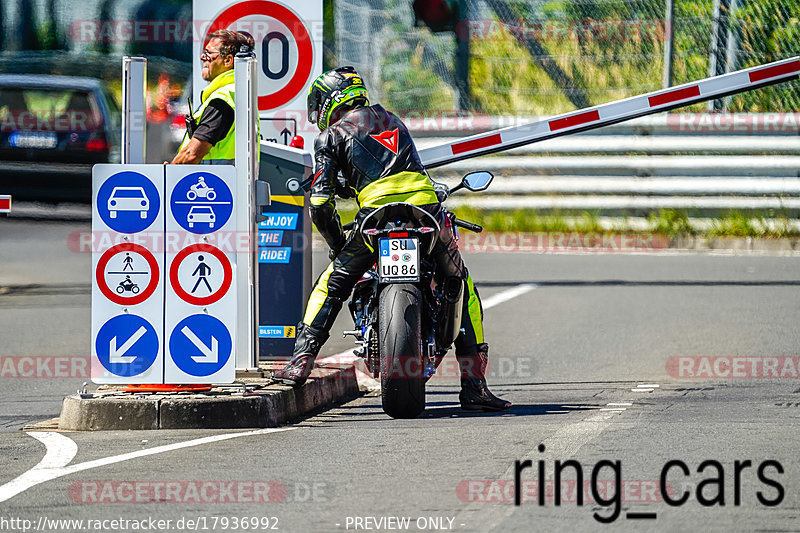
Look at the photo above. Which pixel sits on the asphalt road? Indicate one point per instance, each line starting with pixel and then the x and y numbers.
pixel 635 360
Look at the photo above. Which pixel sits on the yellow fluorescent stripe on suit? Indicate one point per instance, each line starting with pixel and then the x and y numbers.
pixel 318 296
pixel 474 310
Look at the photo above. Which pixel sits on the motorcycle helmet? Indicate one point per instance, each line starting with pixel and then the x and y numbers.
pixel 334 90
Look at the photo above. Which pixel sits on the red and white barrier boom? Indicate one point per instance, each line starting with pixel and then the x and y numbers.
pixel 5 204
pixel 611 113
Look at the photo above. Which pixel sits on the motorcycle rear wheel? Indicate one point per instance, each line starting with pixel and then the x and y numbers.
pixel 399 337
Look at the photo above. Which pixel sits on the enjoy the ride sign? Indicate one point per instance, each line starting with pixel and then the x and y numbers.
pixel 163 295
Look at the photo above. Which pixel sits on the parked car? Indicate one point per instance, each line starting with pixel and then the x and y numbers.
pixel 53 129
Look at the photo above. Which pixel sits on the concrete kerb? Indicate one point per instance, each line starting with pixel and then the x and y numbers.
pixel 264 404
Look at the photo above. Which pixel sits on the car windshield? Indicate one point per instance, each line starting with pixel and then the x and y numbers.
pixel 48 109
pixel 127 193
pixel 202 209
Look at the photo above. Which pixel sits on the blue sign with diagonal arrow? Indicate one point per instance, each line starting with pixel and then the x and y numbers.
pixel 127 345
pixel 200 345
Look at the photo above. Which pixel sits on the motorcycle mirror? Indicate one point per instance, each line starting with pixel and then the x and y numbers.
pixel 477 181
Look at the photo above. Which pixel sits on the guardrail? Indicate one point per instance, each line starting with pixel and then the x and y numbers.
pixel 749 162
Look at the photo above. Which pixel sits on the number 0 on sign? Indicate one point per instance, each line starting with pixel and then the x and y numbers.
pixel 283 45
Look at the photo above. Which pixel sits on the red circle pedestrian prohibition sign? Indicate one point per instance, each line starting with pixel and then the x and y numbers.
pixel 227 275
pixel 127 285
pixel 305 51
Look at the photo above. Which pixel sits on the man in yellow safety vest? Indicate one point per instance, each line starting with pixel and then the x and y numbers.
pixel 210 128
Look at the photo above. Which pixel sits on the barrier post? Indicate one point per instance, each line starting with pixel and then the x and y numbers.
pixel 246 162
pixel 134 114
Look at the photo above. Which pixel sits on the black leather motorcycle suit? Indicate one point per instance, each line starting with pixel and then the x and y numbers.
pixel 379 164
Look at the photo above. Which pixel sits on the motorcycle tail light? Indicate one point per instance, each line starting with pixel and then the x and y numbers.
pixel 426 229
pixel 371 232
pixel 399 234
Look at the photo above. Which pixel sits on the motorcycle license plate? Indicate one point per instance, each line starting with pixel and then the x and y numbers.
pixel 399 259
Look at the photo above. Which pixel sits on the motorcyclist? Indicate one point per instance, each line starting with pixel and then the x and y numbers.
pixel 379 164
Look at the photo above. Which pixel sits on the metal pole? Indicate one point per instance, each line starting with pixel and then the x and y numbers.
pixel 719 43
pixel 731 61
pixel 134 117
pixel 668 33
pixel 246 161
pixel 462 56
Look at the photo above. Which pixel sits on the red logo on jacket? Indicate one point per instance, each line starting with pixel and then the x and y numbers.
pixel 388 139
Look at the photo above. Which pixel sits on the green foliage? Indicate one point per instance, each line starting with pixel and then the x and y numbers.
pixel 610 49
pixel 671 222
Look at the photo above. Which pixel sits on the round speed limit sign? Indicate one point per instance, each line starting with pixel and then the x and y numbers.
pixel 284 44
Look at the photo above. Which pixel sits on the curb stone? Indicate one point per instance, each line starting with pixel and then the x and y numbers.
pixel 265 404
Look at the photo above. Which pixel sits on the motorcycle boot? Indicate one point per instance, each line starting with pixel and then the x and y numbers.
pixel 306 347
pixel 475 394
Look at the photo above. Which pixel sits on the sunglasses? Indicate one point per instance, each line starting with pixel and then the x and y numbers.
pixel 206 55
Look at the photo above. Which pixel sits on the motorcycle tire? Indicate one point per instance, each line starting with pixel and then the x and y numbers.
pixel 400 342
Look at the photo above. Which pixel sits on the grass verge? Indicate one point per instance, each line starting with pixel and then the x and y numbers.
pixel 673 223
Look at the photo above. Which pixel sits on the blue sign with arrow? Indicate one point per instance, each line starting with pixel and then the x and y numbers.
pixel 128 202
pixel 127 345
pixel 201 202
pixel 200 345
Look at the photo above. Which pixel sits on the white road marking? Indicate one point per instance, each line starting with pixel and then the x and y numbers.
pixel 620 404
pixel 61 450
pixel 504 296
pixel 365 379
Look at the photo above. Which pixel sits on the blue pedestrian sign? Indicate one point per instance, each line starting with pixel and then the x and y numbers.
pixel 127 345
pixel 200 345
pixel 201 202
pixel 128 202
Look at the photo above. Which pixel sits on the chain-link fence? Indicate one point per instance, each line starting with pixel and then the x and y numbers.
pixel 543 57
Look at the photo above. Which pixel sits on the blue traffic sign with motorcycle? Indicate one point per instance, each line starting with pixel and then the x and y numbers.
pixel 128 202
pixel 127 345
pixel 201 202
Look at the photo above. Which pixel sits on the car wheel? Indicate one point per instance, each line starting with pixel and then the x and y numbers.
pixel 112 214
pixel 143 214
